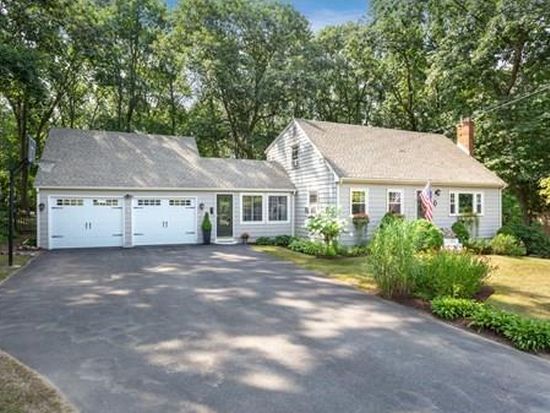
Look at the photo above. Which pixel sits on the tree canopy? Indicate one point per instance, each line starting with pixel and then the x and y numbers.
pixel 233 73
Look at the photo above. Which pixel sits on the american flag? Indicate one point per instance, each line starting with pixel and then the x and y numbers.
pixel 427 202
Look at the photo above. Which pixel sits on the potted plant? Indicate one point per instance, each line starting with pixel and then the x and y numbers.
pixel 206 229
pixel 244 237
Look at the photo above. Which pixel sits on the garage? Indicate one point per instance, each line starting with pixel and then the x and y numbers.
pixel 81 222
pixel 162 221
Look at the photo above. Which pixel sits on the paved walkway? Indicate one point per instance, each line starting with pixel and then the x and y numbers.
pixel 225 329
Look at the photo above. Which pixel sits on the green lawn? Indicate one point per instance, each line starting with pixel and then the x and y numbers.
pixel 18 260
pixel 22 390
pixel 521 285
pixel 350 270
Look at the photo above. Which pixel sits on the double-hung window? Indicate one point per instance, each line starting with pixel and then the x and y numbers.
pixel 278 208
pixel 252 208
pixel 358 201
pixel 461 203
pixel 395 201
pixel 295 157
pixel 313 201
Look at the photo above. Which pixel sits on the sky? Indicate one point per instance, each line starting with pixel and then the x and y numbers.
pixel 323 13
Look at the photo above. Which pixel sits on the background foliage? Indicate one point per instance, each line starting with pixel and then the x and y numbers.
pixel 234 72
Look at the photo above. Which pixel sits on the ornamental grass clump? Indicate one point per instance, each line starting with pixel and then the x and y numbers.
pixel 452 274
pixel 392 258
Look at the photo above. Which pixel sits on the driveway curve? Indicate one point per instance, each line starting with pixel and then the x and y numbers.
pixel 227 329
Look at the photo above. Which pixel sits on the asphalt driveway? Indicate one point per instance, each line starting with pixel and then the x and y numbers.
pixel 226 329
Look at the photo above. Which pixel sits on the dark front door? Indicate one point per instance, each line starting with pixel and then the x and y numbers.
pixel 224 217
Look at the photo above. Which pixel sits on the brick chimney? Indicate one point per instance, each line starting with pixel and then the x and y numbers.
pixel 465 135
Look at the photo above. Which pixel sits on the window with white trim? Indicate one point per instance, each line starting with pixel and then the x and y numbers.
pixel 252 208
pixel 148 202
pixel 278 208
pixel 295 156
pixel 358 201
pixel 461 203
pixel 70 202
pixel 313 201
pixel 395 201
pixel 105 202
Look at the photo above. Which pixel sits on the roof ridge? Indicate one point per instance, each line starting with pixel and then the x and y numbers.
pixel 355 125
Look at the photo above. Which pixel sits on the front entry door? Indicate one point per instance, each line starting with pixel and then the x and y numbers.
pixel 224 217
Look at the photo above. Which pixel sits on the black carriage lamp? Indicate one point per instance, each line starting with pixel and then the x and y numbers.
pixel 201 206
pixel 127 196
pixel 41 206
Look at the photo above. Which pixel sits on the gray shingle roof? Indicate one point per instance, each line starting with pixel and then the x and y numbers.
pixel 365 152
pixel 98 159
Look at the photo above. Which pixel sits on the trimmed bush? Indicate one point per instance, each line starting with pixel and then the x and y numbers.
pixel 306 246
pixel 504 244
pixel 428 236
pixel 536 241
pixel 450 308
pixel 461 232
pixel 453 274
pixel 524 333
pixel 392 258
pixel 479 246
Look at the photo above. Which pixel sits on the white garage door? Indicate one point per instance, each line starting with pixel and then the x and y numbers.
pixel 163 221
pixel 80 222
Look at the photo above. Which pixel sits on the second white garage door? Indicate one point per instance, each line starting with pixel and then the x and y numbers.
pixel 163 221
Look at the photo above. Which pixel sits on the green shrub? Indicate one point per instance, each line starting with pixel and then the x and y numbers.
pixel 536 241
pixel 504 244
pixel 450 308
pixel 479 246
pixel 392 258
pixel 390 217
pixel 265 241
pixel 306 246
pixel 283 240
pixel 428 236
pixel 452 274
pixel 528 335
pixel 524 333
pixel 354 251
pixel 461 232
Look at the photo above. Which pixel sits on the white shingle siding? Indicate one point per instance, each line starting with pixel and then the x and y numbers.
pixel 489 222
pixel 208 198
pixel 313 173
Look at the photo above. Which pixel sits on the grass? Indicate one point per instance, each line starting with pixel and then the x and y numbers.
pixel 18 261
pixel 352 270
pixel 22 390
pixel 522 285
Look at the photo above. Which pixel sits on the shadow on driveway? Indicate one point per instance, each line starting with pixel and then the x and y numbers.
pixel 227 329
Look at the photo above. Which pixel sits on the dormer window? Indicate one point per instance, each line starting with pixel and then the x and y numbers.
pixel 294 157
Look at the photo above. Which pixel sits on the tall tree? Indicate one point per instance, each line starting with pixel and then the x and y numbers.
pixel 242 53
